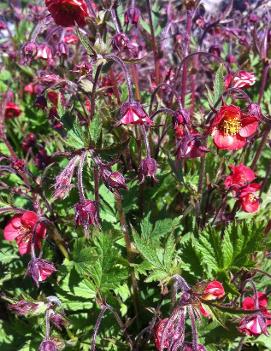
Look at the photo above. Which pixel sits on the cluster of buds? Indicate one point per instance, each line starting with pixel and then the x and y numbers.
pixel 132 16
pixel 189 141
pixel 240 182
pixel 169 333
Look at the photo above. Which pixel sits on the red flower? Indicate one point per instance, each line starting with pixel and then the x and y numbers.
pixel 68 12
pixel 240 176
pixel 256 324
pixel 231 128
pixel 133 113
pixel 241 79
pixel 249 202
pixel 12 110
pixel 249 302
pixel 40 269
pixel 213 291
pixel 86 213
pixel 21 227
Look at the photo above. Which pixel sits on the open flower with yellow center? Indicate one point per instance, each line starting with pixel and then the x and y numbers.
pixel 231 128
pixel 249 201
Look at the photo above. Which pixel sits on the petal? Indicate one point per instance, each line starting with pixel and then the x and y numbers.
pixel 248 205
pixel 29 218
pixel 228 142
pixel 10 233
pixel 249 127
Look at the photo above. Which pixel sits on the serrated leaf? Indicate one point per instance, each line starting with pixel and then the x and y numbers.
pixel 95 128
pixel 227 250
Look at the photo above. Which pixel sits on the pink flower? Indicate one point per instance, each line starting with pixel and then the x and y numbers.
pixel 231 128
pixel 249 202
pixel 257 323
pixel 12 110
pixel 249 302
pixel 241 79
pixel 20 228
pixel 240 176
pixel 254 325
pixel 133 113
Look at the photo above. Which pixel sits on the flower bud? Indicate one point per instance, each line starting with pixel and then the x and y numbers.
pixel 48 345
pixel 29 141
pixel 41 102
pixel 255 110
pixel 17 164
pixel 147 168
pixel 22 307
pixel 57 320
pixel 120 41
pixel 62 49
pixel 12 110
pixel 30 49
pixel 132 15
pixel 86 213
pixel 40 270
pixel 213 291
pixel 115 181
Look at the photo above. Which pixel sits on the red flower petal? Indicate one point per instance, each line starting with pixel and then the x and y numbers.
pixel 10 231
pixel 228 142
pixel 249 127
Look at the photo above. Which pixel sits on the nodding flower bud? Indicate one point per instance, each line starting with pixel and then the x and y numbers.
pixel 57 320
pixel 255 110
pixel 133 113
pixel 22 307
pixel 17 164
pixel 30 49
pixel 62 49
pixel 147 168
pixel 86 213
pixel 132 15
pixel 213 291
pixel 29 141
pixel 48 345
pixel 120 41
pixel 41 102
pixel 44 52
pixel 40 270
pixel 115 181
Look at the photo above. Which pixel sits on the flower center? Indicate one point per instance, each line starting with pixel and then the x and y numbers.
pixel 231 126
pixel 252 198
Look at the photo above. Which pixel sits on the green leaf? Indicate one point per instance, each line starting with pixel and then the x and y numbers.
pixel 95 128
pixel 218 83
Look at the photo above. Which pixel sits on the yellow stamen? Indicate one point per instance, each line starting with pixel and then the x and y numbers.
pixel 231 126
